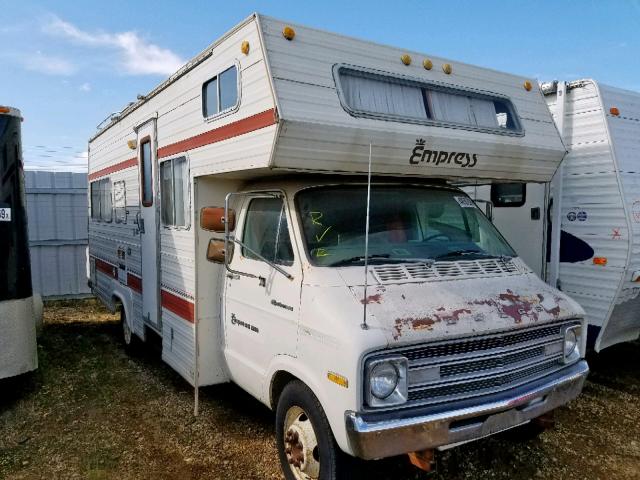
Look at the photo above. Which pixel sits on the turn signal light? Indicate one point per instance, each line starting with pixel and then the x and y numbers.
pixel 338 379
pixel 600 261
pixel 614 111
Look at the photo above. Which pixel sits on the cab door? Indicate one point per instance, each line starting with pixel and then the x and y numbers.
pixel 148 224
pixel 261 304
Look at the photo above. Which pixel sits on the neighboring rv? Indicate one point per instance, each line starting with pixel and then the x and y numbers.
pixel 595 255
pixel 232 216
pixel 20 309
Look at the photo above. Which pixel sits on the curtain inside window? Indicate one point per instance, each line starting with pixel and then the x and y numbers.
pixel 179 191
pixel 379 96
pixel 484 112
pixel 166 182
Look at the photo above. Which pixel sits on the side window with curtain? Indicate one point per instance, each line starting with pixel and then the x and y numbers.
pixel 266 231
pixel 174 181
pixel 101 205
pixel 372 94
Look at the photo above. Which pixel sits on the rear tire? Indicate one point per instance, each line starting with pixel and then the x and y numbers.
pixel 306 446
pixel 129 339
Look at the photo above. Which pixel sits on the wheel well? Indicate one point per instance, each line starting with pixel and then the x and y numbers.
pixel 278 382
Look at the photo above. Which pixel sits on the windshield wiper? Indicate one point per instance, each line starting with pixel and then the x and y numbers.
pixel 465 252
pixel 381 257
pixel 359 258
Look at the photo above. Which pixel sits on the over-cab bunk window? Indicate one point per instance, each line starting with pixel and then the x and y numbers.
pixel 220 93
pixel 366 93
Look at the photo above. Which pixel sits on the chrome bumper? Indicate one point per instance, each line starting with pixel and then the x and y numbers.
pixel 379 435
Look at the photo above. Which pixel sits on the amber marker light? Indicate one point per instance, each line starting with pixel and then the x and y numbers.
pixel 4 110
pixel 527 85
pixel 600 261
pixel 614 111
pixel 288 33
pixel 338 379
pixel 406 59
pixel 132 144
pixel 446 68
pixel 244 47
pixel 427 64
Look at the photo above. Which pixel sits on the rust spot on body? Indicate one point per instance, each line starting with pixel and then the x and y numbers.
pixel 377 298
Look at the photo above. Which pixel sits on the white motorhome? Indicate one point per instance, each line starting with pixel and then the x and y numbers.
pixel 281 213
pixel 595 254
pixel 20 309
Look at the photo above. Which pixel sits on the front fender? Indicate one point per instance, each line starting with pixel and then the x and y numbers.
pixel 335 400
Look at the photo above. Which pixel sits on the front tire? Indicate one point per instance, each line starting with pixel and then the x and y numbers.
pixel 306 446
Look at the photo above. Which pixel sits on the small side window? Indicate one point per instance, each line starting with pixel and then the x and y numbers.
pixel 95 200
pixel 220 93
pixel 147 173
pixel 266 231
pixel 120 202
pixel 508 194
pixel 174 180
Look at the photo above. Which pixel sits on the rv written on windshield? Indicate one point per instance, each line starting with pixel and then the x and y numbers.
pixel 421 154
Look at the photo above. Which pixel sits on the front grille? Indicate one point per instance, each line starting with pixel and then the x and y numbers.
pixel 474 366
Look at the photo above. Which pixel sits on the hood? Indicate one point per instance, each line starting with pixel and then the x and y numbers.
pixel 435 310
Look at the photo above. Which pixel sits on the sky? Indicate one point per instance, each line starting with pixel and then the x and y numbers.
pixel 69 64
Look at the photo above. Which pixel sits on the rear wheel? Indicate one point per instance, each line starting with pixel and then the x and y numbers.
pixel 128 337
pixel 306 447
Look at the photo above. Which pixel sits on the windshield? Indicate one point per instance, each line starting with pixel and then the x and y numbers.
pixel 407 223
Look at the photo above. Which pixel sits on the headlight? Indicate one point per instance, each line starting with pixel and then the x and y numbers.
pixel 386 381
pixel 572 338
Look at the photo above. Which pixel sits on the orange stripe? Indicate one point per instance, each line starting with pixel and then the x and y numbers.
pixel 134 282
pixel 132 162
pixel 178 305
pixel 246 125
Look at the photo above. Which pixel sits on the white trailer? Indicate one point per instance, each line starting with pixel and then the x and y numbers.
pixel 20 309
pixel 233 215
pixel 594 256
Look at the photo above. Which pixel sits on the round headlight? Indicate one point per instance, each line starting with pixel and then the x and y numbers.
pixel 570 342
pixel 383 380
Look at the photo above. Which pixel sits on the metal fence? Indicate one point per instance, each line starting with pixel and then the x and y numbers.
pixel 58 233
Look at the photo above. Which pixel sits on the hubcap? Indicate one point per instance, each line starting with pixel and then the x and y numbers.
pixel 301 445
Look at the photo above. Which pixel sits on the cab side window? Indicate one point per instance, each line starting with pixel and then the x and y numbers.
pixel 266 231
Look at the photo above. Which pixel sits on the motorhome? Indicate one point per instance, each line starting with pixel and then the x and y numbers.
pixel 594 255
pixel 20 309
pixel 281 213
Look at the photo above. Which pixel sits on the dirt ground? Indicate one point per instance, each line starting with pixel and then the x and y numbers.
pixel 93 412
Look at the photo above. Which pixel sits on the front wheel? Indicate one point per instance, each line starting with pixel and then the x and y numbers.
pixel 306 446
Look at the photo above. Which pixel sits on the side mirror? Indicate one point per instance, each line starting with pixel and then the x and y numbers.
pixel 212 219
pixel 215 251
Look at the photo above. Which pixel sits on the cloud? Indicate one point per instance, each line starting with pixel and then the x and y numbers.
pixel 85 87
pixel 137 56
pixel 48 64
